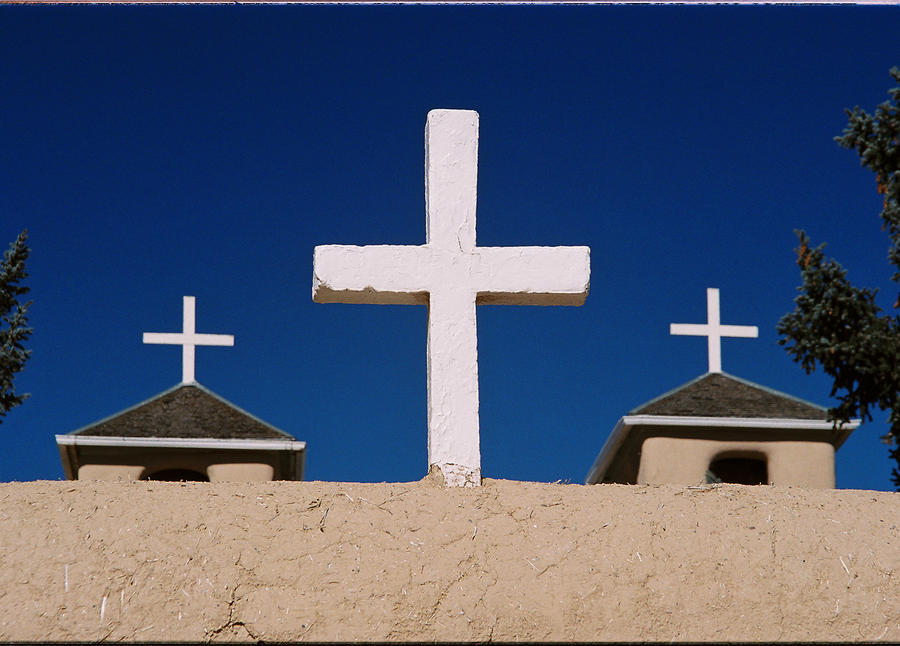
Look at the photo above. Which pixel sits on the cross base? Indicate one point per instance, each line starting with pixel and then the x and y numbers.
pixel 455 475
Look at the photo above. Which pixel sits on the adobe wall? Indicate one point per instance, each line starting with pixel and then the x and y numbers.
pixel 116 463
pixel 666 460
pixel 412 561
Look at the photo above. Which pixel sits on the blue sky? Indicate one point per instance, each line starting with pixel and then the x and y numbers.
pixel 156 152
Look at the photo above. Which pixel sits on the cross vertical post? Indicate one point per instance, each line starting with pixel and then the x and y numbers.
pixel 451 176
pixel 188 339
pixel 713 330
pixel 189 326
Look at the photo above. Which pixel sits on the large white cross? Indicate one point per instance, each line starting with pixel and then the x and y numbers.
pixel 188 339
pixel 450 275
pixel 713 330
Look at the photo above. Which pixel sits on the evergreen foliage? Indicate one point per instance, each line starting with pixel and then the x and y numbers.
pixel 839 326
pixel 14 330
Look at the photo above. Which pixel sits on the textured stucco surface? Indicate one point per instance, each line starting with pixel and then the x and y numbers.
pixel 415 561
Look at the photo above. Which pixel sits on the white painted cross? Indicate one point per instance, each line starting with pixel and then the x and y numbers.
pixel 450 275
pixel 713 330
pixel 188 339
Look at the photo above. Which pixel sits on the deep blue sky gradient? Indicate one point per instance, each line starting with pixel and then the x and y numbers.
pixel 154 152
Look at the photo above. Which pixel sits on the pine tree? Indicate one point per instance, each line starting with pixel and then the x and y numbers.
pixel 839 326
pixel 14 330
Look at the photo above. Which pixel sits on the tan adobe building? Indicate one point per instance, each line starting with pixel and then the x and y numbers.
pixel 185 433
pixel 719 428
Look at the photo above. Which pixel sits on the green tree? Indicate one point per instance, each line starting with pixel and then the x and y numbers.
pixel 839 326
pixel 14 330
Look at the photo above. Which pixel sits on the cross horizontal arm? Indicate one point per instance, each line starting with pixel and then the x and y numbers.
pixel 532 275
pixel 696 329
pixel 745 331
pixel 689 329
pixel 380 274
pixel 177 338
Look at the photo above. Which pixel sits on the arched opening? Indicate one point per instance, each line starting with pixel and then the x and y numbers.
pixel 746 470
pixel 178 475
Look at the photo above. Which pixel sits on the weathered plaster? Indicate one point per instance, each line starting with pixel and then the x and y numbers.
pixel 509 562
pixel 450 274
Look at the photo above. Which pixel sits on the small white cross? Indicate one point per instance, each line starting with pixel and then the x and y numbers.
pixel 450 274
pixel 713 330
pixel 188 339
